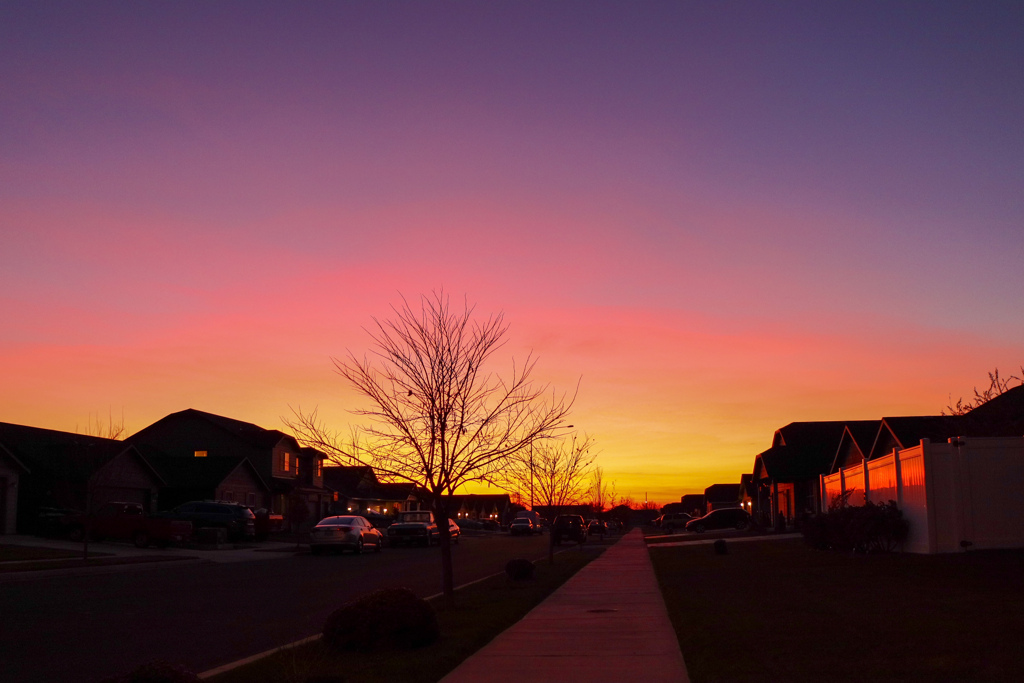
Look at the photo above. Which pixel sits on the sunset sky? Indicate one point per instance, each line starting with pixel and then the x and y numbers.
pixel 720 217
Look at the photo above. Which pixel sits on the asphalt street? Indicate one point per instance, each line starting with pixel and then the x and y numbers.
pixel 83 628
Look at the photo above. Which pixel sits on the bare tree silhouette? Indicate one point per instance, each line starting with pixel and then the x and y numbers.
pixel 997 386
pixel 552 472
pixel 437 417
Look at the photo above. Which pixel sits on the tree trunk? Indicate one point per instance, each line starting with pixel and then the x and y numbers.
pixel 445 543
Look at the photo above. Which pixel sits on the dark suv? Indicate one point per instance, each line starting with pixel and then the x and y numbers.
pixel 239 520
pixel 674 520
pixel 568 527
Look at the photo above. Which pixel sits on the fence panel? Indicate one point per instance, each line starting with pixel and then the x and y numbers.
pixel 882 480
pixel 855 483
pixel 915 499
pixel 833 487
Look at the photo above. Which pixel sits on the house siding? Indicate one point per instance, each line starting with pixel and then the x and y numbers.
pixel 8 497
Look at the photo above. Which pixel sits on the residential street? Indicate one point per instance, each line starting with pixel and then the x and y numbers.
pixel 82 628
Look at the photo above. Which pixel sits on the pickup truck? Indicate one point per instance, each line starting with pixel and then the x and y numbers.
pixel 127 521
pixel 417 526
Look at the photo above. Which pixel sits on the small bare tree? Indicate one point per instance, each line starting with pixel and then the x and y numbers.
pixel 110 430
pixel 437 417
pixel 552 472
pixel 601 493
pixel 997 386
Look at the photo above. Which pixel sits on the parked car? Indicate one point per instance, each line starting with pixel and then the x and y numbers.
pixel 350 531
pixel 533 516
pixel 724 518
pixel 597 528
pixel 570 528
pixel 522 526
pixel 52 521
pixel 129 522
pixel 237 519
pixel 453 530
pixel 414 527
pixel 674 520
pixel 377 520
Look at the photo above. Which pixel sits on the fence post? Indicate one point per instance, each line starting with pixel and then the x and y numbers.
pixel 867 485
pixel 898 469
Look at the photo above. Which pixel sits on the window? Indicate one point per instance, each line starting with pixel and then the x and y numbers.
pixel 200 454
pixel 296 466
pixel 229 495
pixel 250 499
pixel 286 461
pixel 319 467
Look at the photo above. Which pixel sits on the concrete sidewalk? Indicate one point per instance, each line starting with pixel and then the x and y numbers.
pixel 607 623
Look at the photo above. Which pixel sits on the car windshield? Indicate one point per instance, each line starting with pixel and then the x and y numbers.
pixel 337 521
pixel 520 521
pixel 416 517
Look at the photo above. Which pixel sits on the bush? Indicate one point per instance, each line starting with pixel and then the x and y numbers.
pixel 870 528
pixel 156 672
pixel 392 617
pixel 519 569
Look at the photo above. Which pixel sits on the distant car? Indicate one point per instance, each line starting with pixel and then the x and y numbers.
pixel 523 526
pixel 568 528
pixel 453 530
pixel 724 518
pixel 674 520
pixel 597 528
pixel 350 532
pixel 414 527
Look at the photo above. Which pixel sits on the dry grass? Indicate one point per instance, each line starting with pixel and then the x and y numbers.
pixel 779 611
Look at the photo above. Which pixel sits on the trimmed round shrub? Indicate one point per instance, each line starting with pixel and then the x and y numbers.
pixel 519 569
pixel 392 617
pixel 156 672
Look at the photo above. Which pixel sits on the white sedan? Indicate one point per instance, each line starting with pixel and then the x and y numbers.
pixel 351 531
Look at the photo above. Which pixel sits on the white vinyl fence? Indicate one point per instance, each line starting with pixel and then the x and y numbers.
pixel 956 495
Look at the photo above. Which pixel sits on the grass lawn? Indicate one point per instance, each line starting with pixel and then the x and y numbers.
pixel 14 553
pixel 780 611
pixel 482 611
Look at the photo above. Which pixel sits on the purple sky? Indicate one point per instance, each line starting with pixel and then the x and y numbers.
pixel 723 216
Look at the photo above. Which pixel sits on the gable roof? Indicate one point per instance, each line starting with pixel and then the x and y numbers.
pixel 75 457
pixel 247 432
pixel 10 457
pixel 858 437
pixel 350 479
pixel 804 450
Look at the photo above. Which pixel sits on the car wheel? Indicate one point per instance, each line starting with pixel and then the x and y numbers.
pixel 741 525
pixel 380 544
pixel 359 546
pixel 76 533
pixel 699 528
pixel 140 539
